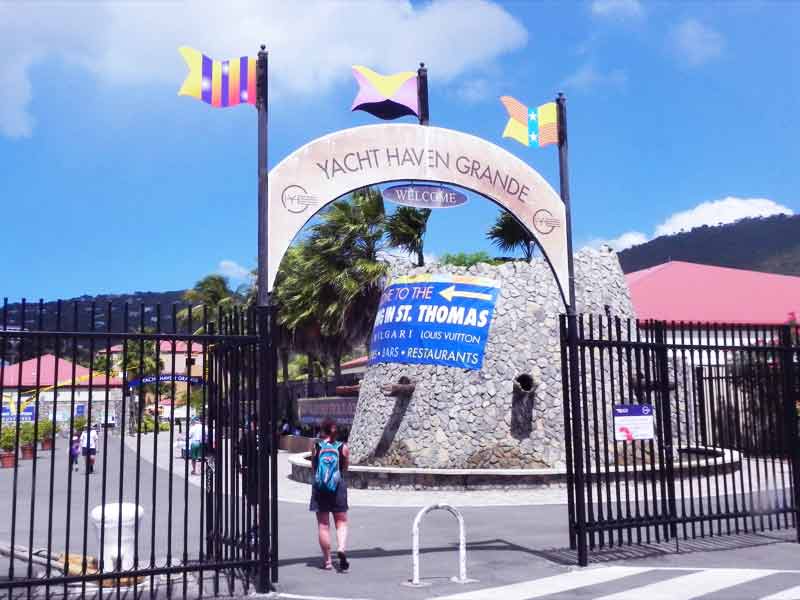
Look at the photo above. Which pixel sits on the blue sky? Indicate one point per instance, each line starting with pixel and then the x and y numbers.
pixel 680 114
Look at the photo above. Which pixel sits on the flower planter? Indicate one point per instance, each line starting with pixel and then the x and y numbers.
pixel 47 444
pixel 26 452
pixel 7 460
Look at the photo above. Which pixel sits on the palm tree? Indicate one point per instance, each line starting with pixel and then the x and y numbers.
pixel 509 236
pixel 332 280
pixel 406 229
pixel 212 292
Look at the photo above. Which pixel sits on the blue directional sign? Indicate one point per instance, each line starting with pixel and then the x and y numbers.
pixel 434 320
pixel 26 415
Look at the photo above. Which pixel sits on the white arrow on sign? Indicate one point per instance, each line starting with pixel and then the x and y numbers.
pixel 451 292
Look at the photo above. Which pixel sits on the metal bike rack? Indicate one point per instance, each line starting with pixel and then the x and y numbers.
pixel 462 545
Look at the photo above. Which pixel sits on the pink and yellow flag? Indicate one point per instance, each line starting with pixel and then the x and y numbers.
pixel 386 96
pixel 534 126
pixel 219 83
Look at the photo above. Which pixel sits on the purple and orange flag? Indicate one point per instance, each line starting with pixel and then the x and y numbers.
pixel 219 83
pixel 386 96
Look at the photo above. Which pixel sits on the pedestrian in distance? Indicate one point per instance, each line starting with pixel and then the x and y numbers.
pixel 196 439
pixel 74 452
pixel 88 444
pixel 329 461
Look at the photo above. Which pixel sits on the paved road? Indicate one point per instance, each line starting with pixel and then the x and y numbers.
pixel 507 545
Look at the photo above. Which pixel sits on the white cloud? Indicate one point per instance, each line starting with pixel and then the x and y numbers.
pixel 473 91
pixel 618 9
pixel 712 213
pixel 588 77
pixel 233 270
pixel 719 212
pixel 626 240
pixel 312 44
pixel 695 43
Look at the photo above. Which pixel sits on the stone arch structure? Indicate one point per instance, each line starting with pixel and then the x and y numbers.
pixel 316 174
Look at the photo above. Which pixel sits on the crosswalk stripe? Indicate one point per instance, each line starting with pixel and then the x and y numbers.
pixel 551 585
pixel 690 586
pixel 789 594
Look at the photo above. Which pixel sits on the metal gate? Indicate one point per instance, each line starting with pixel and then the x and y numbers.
pixel 172 408
pixel 678 431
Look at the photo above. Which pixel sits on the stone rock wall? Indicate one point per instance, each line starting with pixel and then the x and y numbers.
pixel 475 419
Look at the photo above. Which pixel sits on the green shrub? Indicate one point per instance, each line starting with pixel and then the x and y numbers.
pixel 46 429
pixel 26 434
pixel 78 423
pixel 163 426
pixel 147 425
pixel 8 438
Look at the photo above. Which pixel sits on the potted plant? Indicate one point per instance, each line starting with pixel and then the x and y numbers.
pixel 26 440
pixel 7 441
pixel 47 431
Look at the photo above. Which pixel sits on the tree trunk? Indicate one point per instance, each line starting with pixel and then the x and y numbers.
pixel 310 358
pixel 285 367
pixel 420 258
pixel 337 369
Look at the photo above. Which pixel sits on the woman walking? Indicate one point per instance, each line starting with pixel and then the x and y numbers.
pixel 329 493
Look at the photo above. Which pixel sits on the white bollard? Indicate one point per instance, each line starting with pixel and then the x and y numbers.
pixel 116 526
pixel 462 545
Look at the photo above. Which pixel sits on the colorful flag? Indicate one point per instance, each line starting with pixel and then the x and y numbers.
pixel 531 126
pixel 386 96
pixel 219 82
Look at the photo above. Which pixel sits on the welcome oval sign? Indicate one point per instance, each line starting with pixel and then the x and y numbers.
pixel 424 196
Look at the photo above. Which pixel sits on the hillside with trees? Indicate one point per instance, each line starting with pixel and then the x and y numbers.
pixel 770 244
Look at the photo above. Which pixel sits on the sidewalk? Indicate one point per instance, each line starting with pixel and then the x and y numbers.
pixel 512 537
pixel 299 493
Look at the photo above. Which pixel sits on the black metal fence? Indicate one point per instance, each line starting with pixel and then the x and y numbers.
pixel 678 431
pixel 132 456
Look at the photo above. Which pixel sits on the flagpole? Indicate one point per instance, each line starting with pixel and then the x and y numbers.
pixel 572 337
pixel 263 232
pixel 267 452
pixel 422 94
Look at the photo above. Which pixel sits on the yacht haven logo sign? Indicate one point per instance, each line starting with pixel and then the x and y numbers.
pixel 424 196
pixel 329 167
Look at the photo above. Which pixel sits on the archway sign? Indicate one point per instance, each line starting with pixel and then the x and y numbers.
pixel 320 172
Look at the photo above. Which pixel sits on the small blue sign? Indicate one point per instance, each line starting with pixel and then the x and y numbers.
pixel 633 410
pixel 434 320
pixel 147 379
pixel 633 422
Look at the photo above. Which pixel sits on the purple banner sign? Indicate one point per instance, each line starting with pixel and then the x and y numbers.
pixel 424 196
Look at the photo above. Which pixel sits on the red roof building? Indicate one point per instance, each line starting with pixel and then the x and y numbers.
pixel 46 371
pixel 682 291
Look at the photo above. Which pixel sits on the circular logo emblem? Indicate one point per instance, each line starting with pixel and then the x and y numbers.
pixel 645 410
pixel 544 222
pixel 295 199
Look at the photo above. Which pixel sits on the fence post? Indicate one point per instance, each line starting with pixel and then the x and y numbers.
pixel 665 416
pixel 577 441
pixel 567 433
pixel 264 452
pixel 788 367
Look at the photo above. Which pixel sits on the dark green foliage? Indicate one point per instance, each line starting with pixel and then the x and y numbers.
pixel 771 245
pixel 406 229
pixel 509 236
pixel 465 259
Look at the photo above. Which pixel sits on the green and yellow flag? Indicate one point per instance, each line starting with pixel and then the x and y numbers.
pixel 535 126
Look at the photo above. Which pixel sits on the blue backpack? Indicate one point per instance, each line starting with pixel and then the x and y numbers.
pixel 327 476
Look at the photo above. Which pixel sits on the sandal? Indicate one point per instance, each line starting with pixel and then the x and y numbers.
pixel 344 565
pixel 327 566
